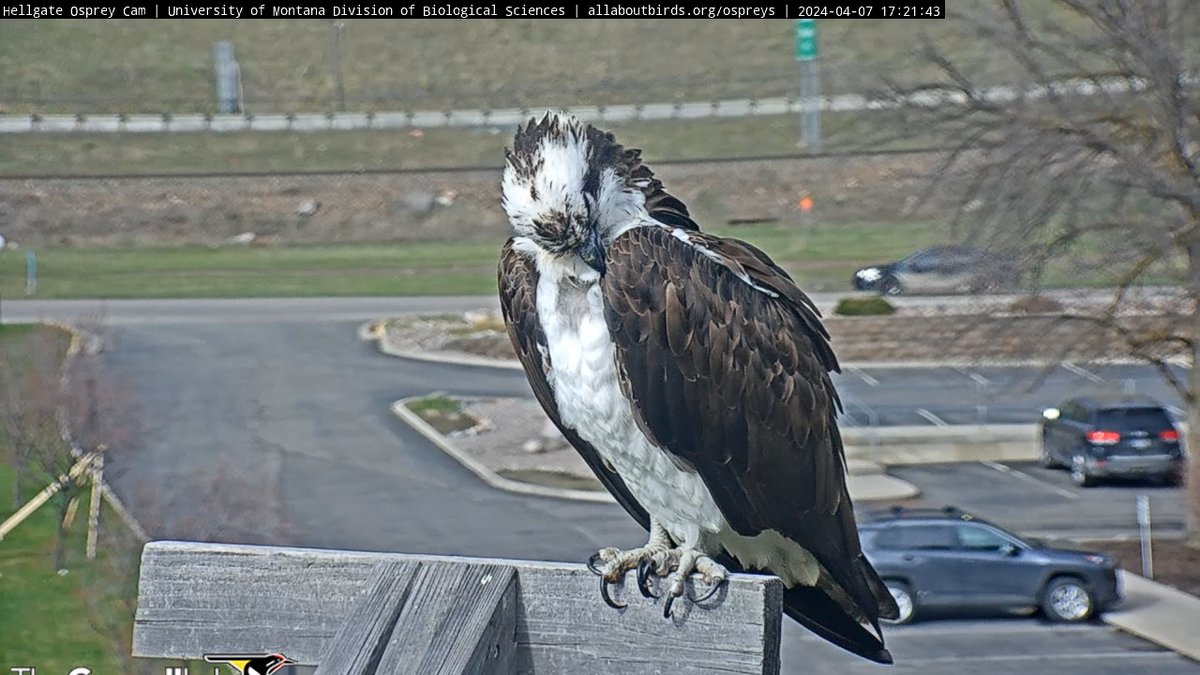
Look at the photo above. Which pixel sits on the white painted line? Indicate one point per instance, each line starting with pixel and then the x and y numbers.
pixel 1020 475
pixel 976 377
pixel 1086 374
pixel 934 419
pixel 865 377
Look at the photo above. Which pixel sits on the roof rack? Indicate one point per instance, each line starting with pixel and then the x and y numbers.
pixel 920 512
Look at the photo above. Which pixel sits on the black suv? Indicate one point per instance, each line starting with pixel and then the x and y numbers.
pixel 947 559
pixel 1098 437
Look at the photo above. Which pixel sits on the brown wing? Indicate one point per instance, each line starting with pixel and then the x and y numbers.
pixel 518 301
pixel 733 380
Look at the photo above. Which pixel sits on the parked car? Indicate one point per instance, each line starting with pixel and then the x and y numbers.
pixel 1106 437
pixel 940 269
pixel 948 559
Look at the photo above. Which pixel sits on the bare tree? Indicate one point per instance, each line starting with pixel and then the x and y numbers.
pixel 1075 141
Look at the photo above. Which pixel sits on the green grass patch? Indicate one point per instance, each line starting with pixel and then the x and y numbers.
pixel 166 65
pixel 554 479
pixel 67 154
pixel 443 413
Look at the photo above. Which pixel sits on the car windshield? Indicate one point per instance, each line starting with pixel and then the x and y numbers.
pixel 1146 419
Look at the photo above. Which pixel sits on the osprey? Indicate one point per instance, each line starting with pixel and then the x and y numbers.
pixel 691 374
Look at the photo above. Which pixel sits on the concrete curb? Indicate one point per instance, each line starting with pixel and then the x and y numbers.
pixel 373 330
pixel 90 343
pixel 869 482
pixel 486 474
pixel 1158 613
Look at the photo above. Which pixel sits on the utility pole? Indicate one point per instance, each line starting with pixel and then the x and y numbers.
pixel 810 84
pixel 338 27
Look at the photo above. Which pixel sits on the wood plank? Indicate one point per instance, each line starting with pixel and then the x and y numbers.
pixel 460 618
pixel 360 641
pixel 196 598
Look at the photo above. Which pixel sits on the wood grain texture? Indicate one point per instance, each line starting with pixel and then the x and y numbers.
pixel 359 643
pixel 460 618
pixel 196 598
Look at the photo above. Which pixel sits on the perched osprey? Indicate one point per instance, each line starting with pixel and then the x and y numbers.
pixel 692 375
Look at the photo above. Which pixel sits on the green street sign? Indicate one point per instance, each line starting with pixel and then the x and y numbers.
pixel 806 39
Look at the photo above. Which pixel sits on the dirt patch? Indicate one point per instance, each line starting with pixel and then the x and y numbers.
pixel 910 335
pixel 518 441
pixel 1175 563
pixel 426 205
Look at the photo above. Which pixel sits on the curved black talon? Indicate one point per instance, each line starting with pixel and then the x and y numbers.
pixel 711 592
pixel 667 605
pixel 607 599
pixel 593 564
pixel 643 578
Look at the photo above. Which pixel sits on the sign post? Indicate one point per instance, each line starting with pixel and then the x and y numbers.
pixel 810 84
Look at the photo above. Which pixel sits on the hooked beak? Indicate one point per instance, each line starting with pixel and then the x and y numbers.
pixel 592 251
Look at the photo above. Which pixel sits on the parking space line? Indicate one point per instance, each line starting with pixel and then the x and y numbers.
pixel 1082 372
pixel 1021 475
pixel 976 377
pixel 933 419
pixel 1057 656
pixel 865 377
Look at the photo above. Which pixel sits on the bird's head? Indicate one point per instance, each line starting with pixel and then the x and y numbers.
pixel 570 188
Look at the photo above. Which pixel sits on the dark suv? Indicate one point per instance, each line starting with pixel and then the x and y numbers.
pixel 941 269
pixel 947 559
pixel 1096 437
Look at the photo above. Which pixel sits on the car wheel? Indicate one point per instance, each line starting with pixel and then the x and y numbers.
pixel 890 286
pixel 1079 472
pixel 1047 458
pixel 1173 478
pixel 905 601
pixel 1067 599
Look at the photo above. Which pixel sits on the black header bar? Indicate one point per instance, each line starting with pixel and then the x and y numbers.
pixel 460 9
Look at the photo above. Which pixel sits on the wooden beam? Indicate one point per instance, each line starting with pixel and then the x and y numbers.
pixel 460 619
pixel 359 642
pixel 196 598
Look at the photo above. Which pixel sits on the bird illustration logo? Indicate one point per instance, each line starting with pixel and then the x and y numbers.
pixel 251 664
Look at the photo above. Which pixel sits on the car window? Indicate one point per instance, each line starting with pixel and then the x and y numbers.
pixel 1129 419
pixel 924 261
pixel 979 538
pixel 926 537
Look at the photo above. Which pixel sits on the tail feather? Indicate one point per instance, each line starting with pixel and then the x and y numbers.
pixel 816 611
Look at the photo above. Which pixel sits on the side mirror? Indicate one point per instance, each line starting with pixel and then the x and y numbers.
pixel 1009 550
pixel 1051 414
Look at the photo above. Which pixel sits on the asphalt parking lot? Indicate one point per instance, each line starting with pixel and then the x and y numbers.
pixel 1024 497
pixel 946 395
pixel 992 647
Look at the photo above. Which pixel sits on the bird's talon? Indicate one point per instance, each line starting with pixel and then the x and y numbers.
pixel 707 596
pixel 667 605
pixel 593 564
pixel 607 598
pixel 643 578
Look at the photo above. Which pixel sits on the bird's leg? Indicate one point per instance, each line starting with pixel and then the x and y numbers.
pixel 612 563
pixel 688 560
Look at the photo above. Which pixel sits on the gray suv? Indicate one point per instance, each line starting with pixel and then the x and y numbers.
pixel 1113 437
pixel 947 559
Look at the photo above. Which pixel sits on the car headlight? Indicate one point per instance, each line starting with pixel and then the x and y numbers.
pixel 869 274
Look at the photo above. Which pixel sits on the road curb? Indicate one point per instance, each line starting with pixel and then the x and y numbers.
pixel 1158 613
pixel 375 331
pixel 90 343
pixel 486 474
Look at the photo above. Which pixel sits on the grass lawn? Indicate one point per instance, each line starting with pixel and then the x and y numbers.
pixel 825 260
pixel 44 615
pixel 166 65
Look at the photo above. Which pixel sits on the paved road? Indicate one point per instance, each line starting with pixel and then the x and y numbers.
pixel 1042 502
pixel 267 422
pixel 509 117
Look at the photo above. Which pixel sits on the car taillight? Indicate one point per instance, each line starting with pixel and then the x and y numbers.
pixel 1170 436
pixel 1103 437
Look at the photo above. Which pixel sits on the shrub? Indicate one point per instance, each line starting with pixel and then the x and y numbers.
pixel 870 306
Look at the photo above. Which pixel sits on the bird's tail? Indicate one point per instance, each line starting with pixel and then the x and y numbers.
pixel 812 608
